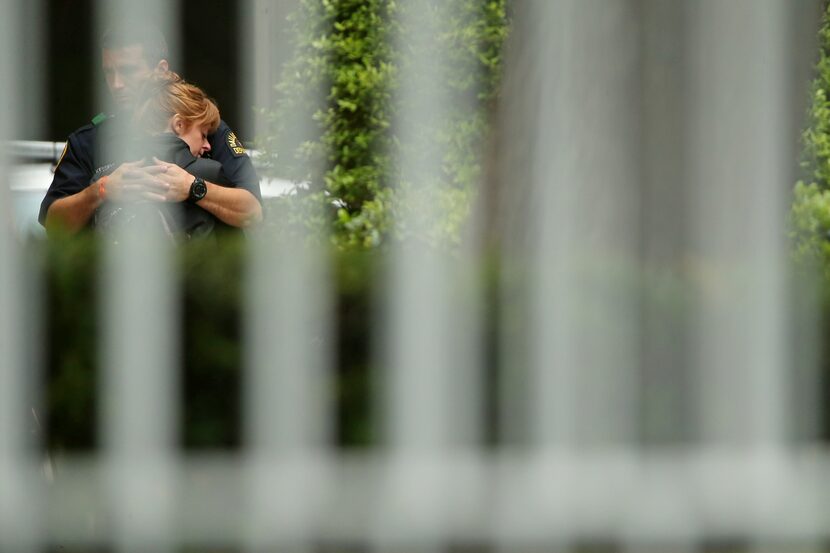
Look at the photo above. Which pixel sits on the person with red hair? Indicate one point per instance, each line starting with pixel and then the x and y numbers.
pixel 130 57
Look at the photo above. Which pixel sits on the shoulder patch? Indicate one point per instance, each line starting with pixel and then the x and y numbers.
pixel 234 144
pixel 100 118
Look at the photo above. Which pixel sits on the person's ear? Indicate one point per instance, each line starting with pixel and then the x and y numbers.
pixel 162 66
pixel 177 124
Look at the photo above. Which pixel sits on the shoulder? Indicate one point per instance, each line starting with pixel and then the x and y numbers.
pixel 224 140
pixel 83 135
pixel 80 144
pixel 227 149
pixel 87 133
pixel 223 127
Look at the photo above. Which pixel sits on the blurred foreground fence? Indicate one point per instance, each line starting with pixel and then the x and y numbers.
pixel 618 354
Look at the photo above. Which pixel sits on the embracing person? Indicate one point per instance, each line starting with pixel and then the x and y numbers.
pixel 134 61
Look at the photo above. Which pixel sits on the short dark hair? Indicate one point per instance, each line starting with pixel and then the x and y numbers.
pixel 148 36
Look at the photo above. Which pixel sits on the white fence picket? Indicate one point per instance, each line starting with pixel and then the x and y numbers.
pixel 587 449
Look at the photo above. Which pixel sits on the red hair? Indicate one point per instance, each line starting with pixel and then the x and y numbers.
pixel 165 95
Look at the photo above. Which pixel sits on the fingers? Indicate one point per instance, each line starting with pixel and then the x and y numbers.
pixel 130 171
pixel 156 169
pixel 132 190
pixel 155 184
pixel 153 196
pixel 134 175
pixel 170 170
pixel 168 178
pixel 129 165
pixel 145 175
pixel 177 178
pixel 161 182
pixel 141 180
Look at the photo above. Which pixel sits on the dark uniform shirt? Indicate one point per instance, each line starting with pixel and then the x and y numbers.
pixel 76 168
pixel 181 220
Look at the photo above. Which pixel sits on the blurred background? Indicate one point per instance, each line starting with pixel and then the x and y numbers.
pixel 534 275
pixel 212 43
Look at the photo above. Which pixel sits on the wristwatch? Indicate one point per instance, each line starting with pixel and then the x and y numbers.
pixel 198 190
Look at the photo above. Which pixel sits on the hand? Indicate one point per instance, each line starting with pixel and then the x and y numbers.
pixel 133 181
pixel 176 180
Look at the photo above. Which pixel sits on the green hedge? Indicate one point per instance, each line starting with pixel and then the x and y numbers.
pixel 209 278
pixel 811 196
pixel 340 90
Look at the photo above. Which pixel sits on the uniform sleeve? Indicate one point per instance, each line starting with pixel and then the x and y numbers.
pixel 72 174
pixel 236 164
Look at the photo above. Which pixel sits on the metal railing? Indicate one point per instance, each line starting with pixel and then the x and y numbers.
pixel 30 151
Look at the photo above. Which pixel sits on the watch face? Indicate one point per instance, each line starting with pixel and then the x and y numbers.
pixel 198 189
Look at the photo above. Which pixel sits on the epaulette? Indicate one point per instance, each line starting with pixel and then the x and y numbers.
pixel 100 118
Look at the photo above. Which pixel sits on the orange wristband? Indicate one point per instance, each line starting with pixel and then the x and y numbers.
pixel 102 187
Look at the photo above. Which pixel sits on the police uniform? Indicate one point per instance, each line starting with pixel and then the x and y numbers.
pixel 76 167
pixel 180 220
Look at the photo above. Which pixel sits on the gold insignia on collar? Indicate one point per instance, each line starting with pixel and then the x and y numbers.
pixel 234 144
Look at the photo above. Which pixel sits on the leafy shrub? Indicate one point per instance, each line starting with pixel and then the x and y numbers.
pixel 816 138
pixel 810 220
pixel 209 278
pixel 211 347
pixel 810 215
pixel 810 226
pixel 332 126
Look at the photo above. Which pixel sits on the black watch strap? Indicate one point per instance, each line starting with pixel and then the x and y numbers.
pixel 198 190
